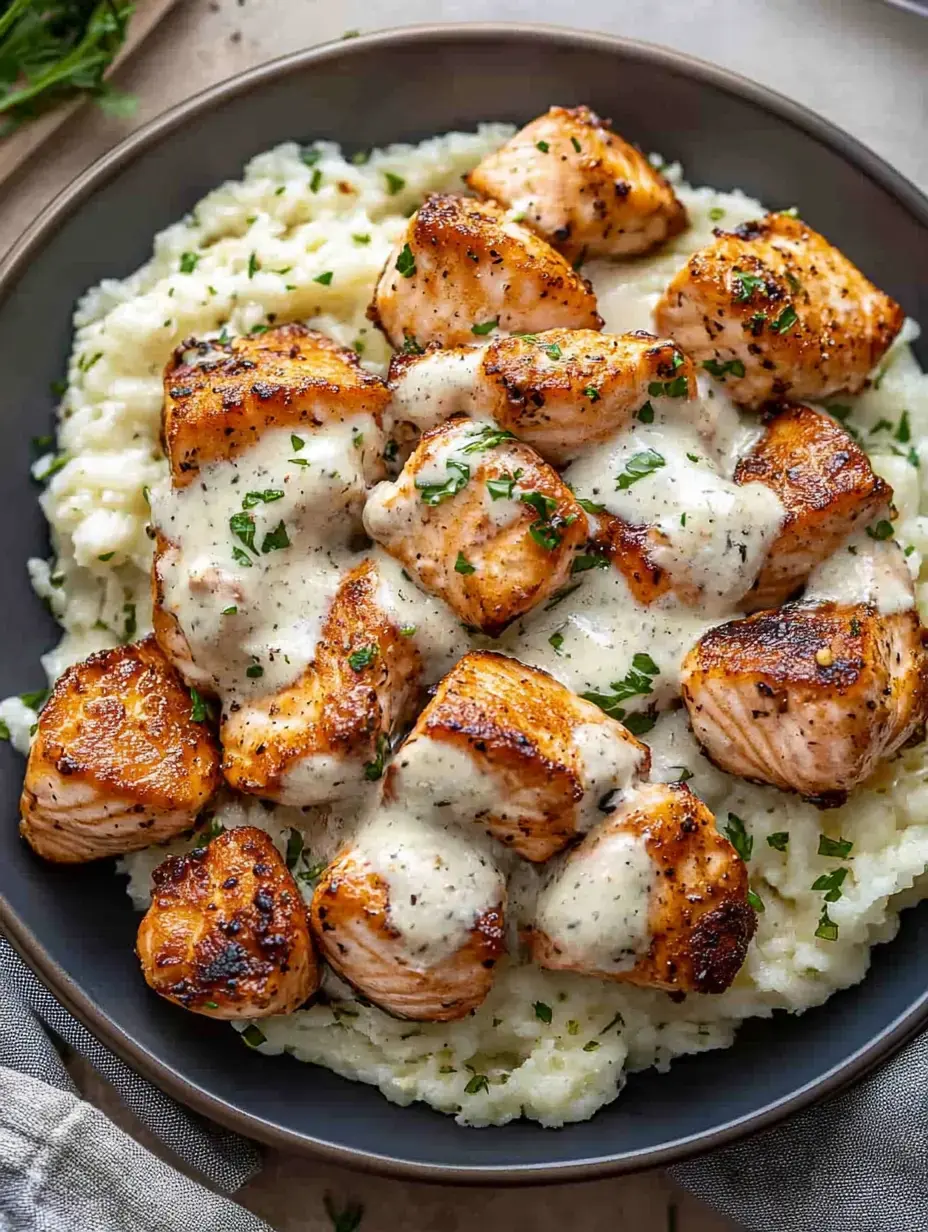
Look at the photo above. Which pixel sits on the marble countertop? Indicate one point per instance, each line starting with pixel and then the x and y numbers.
pixel 858 62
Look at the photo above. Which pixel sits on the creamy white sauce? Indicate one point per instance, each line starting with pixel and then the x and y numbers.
pixel 430 623
pixel 435 387
pixel 264 617
pixel 717 533
pixel 608 766
pixel 864 570
pixel 440 879
pixel 595 907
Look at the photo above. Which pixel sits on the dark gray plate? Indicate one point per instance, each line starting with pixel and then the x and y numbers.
pixel 76 927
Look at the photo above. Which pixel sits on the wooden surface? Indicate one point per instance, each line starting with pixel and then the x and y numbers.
pixel 856 61
pixel 25 142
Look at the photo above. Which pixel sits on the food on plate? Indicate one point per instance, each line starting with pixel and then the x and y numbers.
pixel 505 746
pixel 227 933
pixel 412 915
pixel 655 896
pixel 569 177
pixel 119 760
pixel 778 312
pixel 460 608
pixel 323 738
pixel 462 270
pixel 560 391
pixel 827 487
pixel 481 521
pixel 808 697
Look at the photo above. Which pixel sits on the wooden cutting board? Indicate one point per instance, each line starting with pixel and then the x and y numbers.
pixel 24 141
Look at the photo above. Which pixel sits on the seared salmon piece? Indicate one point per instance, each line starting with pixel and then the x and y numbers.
pixel 654 896
pixel 366 914
pixel 827 487
pixel 809 698
pixel 329 733
pixel 775 311
pixel 220 397
pixel 227 932
pixel 507 747
pixel 481 521
pixel 561 391
pixel 462 270
pixel 118 761
pixel 575 182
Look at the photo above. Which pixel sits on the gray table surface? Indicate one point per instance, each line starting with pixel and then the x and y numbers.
pixel 858 62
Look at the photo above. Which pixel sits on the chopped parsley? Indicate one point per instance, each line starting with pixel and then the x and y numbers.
pixel 251 499
pixel 242 525
pixel 639 466
pixel 677 388
pixel 390 450
pixel 254 671
pixel 253 1036
pixel 188 262
pixel 746 285
pixel 756 902
pixel 556 641
pixel 589 560
pixel 778 841
pixel 275 539
pixel 553 351
pixel 130 623
pixel 463 565
pixel 479 1082
pixel 487 437
pixel 362 238
pixel 229 611
pixel 253 265
pixel 882 530
pixel 836 848
pixel 738 836
pixel 411 346
pixel 576 144
pixel 542 1012
pixel 903 433
pixel 543 146
pixel 830 884
pixel 359 659
pixel 637 682
pixel 545 530
pixel 503 487
pixel 310 156
pixel 241 557
pixel 373 770
pixel 591 1046
pixel 482 328
pixel 295 846
pixel 786 320
pixel 438 493
pixel 592 393
pixel 406 262
pixel 827 928
pixel 714 368
pixel 52 467
pixel 646 413
pixel 199 710
pixel 395 183
pixel 34 700
pixel 716 213
pixel 4 730
pixel 589 506
pixel 106 556
pixel 408 631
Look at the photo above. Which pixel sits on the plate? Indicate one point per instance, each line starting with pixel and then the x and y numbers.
pixel 76 927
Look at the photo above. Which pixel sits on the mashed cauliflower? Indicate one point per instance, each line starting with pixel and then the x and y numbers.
pixel 303 236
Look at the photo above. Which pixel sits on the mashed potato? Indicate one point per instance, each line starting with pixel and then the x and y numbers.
pixel 303 236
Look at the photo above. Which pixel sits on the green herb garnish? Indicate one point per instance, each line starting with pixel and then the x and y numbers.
pixel 638 467
pixel 542 1012
pixel 778 841
pixel 364 657
pixel 836 848
pixel 482 328
pixel 438 493
pixel 738 836
pixel 373 770
pixel 463 565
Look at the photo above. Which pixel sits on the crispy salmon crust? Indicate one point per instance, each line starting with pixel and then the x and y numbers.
pixel 227 932
pixel 699 918
pixel 118 761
